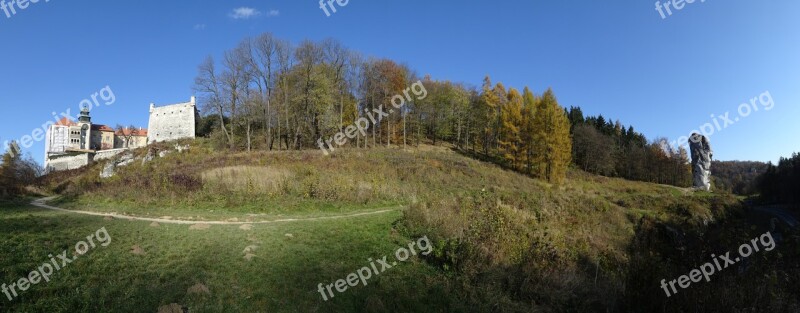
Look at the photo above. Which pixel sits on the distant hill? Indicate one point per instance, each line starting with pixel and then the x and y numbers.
pixel 738 177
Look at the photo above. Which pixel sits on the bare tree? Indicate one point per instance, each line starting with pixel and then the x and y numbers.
pixel 127 134
pixel 285 52
pixel 264 64
pixel 369 85
pixel 235 83
pixel 353 85
pixel 208 86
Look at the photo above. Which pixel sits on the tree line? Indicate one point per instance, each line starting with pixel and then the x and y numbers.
pixel 610 149
pixel 269 94
pixel 738 177
pixel 781 183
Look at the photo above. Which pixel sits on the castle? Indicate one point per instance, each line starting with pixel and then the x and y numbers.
pixel 70 144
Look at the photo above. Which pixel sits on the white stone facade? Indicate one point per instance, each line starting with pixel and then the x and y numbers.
pixel 68 162
pixel 172 122
pixel 57 140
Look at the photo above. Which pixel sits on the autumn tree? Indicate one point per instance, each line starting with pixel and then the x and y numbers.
pixel 502 98
pixel 488 109
pixel 552 141
pixel 16 172
pixel 511 145
pixel 529 104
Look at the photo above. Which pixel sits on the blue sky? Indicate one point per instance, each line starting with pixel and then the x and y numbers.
pixel 619 58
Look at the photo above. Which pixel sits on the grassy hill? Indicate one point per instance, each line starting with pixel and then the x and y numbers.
pixel 501 241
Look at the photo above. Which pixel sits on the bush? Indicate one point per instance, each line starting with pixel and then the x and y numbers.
pixel 17 173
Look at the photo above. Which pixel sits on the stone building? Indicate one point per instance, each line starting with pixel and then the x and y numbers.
pixel 172 122
pixel 74 144
pixel 67 135
pixel 130 138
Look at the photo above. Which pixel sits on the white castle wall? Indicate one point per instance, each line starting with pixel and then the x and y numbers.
pixel 172 122
pixel 57 139
pixel 65 163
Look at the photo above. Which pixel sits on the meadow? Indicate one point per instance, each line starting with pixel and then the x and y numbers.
pixel 502 241
pixel 267 268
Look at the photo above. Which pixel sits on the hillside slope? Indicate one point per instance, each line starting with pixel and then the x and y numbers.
pixel 502 239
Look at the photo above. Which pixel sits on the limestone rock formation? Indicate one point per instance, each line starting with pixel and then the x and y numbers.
pixel 111 166
pixel 151 155
pixel 701 161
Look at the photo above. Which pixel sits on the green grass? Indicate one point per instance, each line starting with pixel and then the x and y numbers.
pixel 283 277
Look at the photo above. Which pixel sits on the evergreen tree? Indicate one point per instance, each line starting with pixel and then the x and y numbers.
pixel 576 116
pixel 600 123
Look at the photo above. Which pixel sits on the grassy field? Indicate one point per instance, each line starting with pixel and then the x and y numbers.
pixel 287 262
pixel 501 241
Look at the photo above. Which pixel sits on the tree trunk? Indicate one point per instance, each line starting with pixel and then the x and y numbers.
pixel 269 123
pixel 249 146
pixel 404 131
pixel 280 134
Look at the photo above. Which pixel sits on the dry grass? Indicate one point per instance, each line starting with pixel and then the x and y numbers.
pixel 246 178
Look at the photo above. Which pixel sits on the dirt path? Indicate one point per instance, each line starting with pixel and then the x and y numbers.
pixel 41 203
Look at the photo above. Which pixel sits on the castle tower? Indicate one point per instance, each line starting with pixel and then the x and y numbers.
pixel 172 122
pixel 84 117
pixel 85 124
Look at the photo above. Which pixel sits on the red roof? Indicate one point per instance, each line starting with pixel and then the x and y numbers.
pixel 105 128
pixel 65 122
pixel 132 132
pixel 102 128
